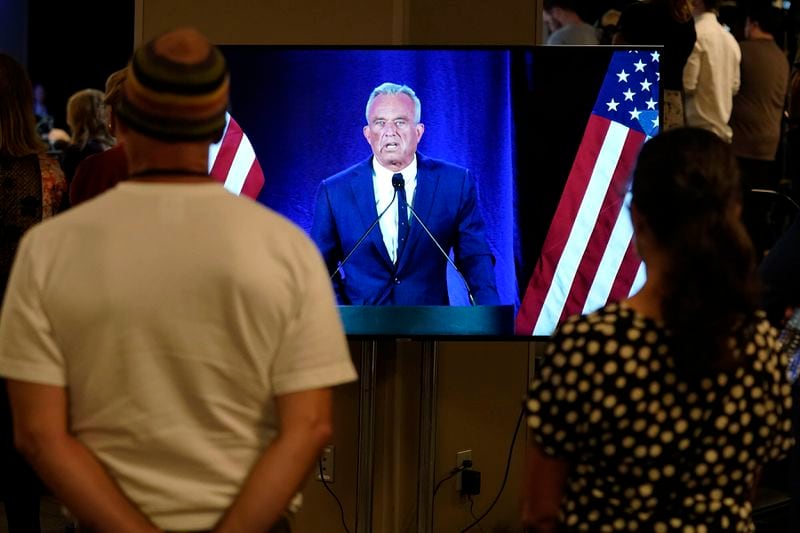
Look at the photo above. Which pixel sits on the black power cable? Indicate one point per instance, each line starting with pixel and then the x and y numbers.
pixel 505 476
pixel 472 512
pixel 338 502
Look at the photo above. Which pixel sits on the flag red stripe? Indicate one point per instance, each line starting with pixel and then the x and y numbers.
pixel 227 151
pixel 626 275
pixel 254 181
pixel 561 226
pixel 604 225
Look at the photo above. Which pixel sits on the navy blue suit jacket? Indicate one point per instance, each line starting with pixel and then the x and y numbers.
pixel 445 199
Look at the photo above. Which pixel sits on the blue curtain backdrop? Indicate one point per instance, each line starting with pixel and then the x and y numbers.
pixel 304 111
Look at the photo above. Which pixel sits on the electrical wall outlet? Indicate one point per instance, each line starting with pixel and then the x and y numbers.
pixel 464 455
pixel 327 460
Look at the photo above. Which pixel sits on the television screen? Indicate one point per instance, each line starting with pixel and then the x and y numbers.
pixel 530 150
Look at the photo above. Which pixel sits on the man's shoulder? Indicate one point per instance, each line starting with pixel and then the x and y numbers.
pixel 113 213
pixel 115 154
pixel 730 41
pixel 430 164
pixel 706 26
pixel 572 34
pixel 102 170
pixel 349 173
pixel 764 53
pixel 557 37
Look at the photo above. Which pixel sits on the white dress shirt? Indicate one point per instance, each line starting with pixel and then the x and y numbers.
pixel 384 192
pixel 711 77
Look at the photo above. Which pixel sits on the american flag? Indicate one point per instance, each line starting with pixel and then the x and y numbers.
pixel 233 162
pixel 588 257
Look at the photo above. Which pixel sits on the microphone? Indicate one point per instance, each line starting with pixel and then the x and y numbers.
pixel 364 236
pixel 399 183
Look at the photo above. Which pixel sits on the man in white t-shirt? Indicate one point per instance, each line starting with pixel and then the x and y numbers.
pixel 170 347
pixel 564 24
pixel 711 75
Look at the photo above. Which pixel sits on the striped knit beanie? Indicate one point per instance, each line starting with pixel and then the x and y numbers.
pixel 176 88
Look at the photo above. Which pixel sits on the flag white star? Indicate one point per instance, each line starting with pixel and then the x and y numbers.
pixel 645 85
pixel 612 105
pixel 629 95
pixel 635 114
pixel 658 76
pixel 656 56
pixel 655 122
pixel 639 66
pixel 651 104
pixel 622 75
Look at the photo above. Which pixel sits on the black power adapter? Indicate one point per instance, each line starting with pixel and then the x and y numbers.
pixel 470 482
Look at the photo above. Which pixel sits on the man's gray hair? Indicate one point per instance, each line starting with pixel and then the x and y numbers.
pixel 394 88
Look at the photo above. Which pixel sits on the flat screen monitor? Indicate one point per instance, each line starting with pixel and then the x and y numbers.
pixel 548 135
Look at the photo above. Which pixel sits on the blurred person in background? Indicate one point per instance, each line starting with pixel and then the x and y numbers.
pixel 711 75
pixel 758 107
pixel 32 188
pixel 757 115
pixel 87 122
pixel 100 172
pixel 44 120
pixel 565 24
pixel 606 26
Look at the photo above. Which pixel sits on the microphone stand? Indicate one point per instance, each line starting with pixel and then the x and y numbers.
pixel 399 183
pixel 361 239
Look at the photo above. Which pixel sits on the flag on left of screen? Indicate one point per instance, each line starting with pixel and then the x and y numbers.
pixel 233 162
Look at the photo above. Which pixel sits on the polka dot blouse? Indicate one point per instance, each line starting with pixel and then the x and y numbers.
pixel 648 451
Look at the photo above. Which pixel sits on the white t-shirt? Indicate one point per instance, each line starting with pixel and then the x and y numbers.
pixel 173 314
pixel 574 34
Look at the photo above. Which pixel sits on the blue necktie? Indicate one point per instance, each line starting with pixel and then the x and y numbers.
pixel 402 215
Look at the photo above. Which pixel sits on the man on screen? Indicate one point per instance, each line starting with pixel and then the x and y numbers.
pixel 404 192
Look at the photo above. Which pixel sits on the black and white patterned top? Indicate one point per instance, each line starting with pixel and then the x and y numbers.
pixel 647 450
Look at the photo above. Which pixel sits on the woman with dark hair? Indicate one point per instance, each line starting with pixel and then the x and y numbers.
pixel 31 188
pixel 658 412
